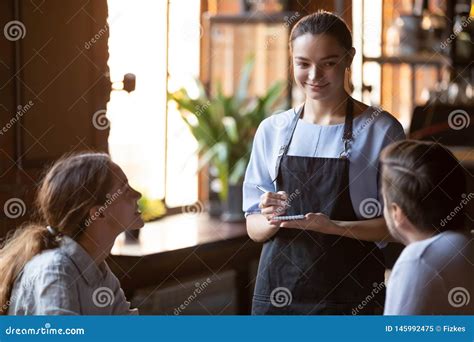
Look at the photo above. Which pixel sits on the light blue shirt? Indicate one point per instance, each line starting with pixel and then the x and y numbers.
pixel 372 131
pixel 67 281
pixel 433 277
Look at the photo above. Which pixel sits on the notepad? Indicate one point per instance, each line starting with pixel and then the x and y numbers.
pixel 289 218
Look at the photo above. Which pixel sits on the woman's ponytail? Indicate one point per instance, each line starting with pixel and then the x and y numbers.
pixel 17 250
pixel 67 193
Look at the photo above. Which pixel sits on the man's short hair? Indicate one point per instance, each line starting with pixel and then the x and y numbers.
pixel 427 182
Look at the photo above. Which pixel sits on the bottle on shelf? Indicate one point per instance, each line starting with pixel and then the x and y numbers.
pixel 463 34
pixel 433 26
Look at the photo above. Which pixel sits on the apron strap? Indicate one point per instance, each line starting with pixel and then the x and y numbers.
pixel 284 148
pixel 346 137
pixel 348 120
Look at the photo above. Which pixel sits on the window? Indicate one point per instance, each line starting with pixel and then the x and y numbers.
pixel 148 139
pixel 367 26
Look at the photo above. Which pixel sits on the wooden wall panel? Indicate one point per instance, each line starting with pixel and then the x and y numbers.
pixel 59 77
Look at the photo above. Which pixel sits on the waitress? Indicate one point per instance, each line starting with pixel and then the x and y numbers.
pixel 319 160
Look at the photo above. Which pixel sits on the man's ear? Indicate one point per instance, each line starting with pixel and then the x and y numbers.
pixel 398 216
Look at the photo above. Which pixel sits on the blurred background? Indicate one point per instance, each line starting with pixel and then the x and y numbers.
pixel 175 89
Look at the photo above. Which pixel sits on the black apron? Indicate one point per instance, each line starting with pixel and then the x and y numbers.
pixel 305 272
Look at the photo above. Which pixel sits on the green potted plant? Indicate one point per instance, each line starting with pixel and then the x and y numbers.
pixel 224 127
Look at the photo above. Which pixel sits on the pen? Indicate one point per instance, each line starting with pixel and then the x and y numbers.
pixel 297 217
pixel 261 189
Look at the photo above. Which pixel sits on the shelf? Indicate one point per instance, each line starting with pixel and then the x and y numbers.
pixel 415 59
pixel 256 17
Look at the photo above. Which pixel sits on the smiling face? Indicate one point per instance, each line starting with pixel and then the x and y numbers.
pixel 122 207
pixel 319 63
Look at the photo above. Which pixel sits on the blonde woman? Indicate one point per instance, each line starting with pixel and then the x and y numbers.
pixel 57 266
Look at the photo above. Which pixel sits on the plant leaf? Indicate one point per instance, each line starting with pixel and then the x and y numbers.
pixel 242 94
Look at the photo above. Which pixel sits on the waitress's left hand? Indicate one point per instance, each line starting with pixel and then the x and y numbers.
pixel 317 222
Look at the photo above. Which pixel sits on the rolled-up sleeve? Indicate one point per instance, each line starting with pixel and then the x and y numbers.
pixel 257 173
pixel 120 305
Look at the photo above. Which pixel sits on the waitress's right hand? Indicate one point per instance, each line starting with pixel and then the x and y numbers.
pixel 273 204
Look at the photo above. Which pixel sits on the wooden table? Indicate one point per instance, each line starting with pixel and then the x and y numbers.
pixel 186 246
